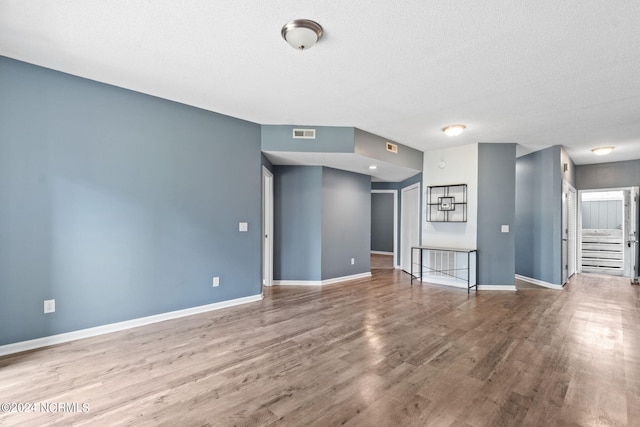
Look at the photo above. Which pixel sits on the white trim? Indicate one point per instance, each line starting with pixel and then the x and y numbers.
pixel 120 326
pixel 497 288
pixel 267 229
pixel 404 190
pixel 539 282
pixel 321 282
pixel 395 222
pixel 381 253
pixel 297 283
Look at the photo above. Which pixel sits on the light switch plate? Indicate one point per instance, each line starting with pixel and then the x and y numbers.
pixel 243 227
pixel 49 306
pixel 505 229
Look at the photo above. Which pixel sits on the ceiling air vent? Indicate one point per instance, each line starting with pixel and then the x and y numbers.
pixel 304 134
pixel 392 147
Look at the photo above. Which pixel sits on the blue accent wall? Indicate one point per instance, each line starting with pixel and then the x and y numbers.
pixel 322 219
pixel 117 204
pixel 608 175
pixel 297 244
pixel 329 139
pixel 496 207
pixel 375 147
pixel 382 222
pixel 346 223
pixel 539 215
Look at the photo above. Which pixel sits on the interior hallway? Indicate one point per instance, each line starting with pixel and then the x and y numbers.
pixel 374 351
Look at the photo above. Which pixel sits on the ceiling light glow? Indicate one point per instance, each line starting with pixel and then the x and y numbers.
pixel 453 130
pixel 601 151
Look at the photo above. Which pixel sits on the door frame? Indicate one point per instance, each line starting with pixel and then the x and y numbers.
pixel 566 244
pixel 267 227
pixel 403 191
pixel 633 190
pixel 395 223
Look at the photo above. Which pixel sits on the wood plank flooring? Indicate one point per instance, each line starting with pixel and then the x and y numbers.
pixel 371 352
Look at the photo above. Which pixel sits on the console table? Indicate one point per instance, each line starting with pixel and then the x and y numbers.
pixel 429 262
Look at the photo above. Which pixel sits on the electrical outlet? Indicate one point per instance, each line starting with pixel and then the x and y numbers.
pixel 216 282
pixel 49 306
pixel 353 261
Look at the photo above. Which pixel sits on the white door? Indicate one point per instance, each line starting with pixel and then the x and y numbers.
pixel 565 236
pixel 267 227
pixel 409 224
pixel 631 231
pixel 572 206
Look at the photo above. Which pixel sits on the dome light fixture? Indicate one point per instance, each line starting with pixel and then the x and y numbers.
pixel 373 167
pixel 302 34
pixel 453 130
pixel 601 151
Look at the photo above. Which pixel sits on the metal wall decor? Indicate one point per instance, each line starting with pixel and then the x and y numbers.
pixel 447 203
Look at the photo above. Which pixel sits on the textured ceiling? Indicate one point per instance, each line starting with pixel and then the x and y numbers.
pixel 536 73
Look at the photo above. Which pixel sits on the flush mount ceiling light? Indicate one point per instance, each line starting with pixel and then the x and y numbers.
pixel 372 167
pixel 601 151
pixel 453 130
pixel 302 34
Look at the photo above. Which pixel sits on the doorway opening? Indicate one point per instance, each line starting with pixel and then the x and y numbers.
pixel 384 226
pixel 608 232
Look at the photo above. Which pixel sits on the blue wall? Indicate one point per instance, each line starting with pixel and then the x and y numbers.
pixel 608 175
pixel 496 207
pixel 375 147
pixel 346 223
pixel 329 139
pixel 322 220
pixel 539 215
pixel 382 222
pixel 118 205
pixel 297 243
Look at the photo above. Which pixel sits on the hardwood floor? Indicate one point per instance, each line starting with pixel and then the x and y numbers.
pixel 371 352
pixel 379 261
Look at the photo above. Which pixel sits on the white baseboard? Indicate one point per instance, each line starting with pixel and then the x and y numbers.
pixel 381 253
pixel 119 326
pixel 320 282
pixel 539 282
pixel 297 283
pixel 497 288
pixel 346 278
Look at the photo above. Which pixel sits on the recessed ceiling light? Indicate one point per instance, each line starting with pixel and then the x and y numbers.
pixel 302 34
pixel 373 167
pixel 601 151
pixel 453 130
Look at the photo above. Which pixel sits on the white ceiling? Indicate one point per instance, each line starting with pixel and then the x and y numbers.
pixel 536 73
